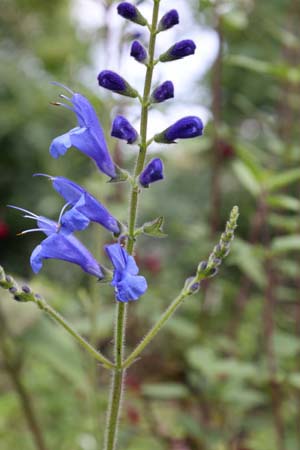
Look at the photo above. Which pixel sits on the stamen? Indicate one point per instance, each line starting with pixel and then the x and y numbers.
pixel 32 215
pixel 32 230
pixel 62 211
pixel 43 175
pixel 63 105
pixel 65 97
pixel 63 86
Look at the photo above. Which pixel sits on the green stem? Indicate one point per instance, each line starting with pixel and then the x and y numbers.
pixel 117 380
pixel 119 372
pixel 43 305
pixel 155 329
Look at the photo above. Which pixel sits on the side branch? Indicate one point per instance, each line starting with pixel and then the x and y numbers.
pixel 206 269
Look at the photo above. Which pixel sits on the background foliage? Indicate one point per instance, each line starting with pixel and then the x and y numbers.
pixel 225 373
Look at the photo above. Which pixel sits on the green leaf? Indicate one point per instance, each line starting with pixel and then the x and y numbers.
pixel 280 180
pixel 246 177
pixel 155 227
pixel 294 380
pixel 284 244
pixel 165 391
pixel 248 260
pixel 284 202
pixel 246 62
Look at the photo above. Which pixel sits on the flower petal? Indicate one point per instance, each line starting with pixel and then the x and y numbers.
pixel 117 255
pixel 66 248
pixel 130 288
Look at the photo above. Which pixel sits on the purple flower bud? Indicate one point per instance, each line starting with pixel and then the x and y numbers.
pixel 179 50
pixel 122 129
pixel 138 52
pixel 170 19
pixel 185 128
pixel 130 12
pixel 163 92
pixel 114 82
pixel 152 172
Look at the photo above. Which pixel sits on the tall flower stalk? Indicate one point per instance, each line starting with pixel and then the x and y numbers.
pixel 82 208
pixel 119 372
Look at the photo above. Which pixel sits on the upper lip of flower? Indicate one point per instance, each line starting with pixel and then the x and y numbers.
pixel 88 137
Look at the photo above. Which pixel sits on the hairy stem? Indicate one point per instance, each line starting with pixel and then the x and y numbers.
pixel 155 329
pixel 119 372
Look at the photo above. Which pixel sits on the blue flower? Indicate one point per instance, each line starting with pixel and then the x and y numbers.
pixel 179 50
pixel 66 248
pixel 88 136
pixel 163 92
pixel 152 172
pixel 170 19
pixel 59 244
pixel 130 12
pixel 114 82
pixel 185 128
pixel 138 52
pixel 122 129
pixel 86 207
pixel 126 281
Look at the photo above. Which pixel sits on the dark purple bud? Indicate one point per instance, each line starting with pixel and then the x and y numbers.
pixel 9 279
pixel 185 128
pixel 138 52
pixel 170 19
pixel 163 92
pixel 26 289
pixel 122 129
pixel 179 50
pixel 130 12
pixel 13 290
pixel 114 82
pixel 152 172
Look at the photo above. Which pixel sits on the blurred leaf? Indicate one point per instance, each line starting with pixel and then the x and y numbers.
pixel 280 180
pixel 246 177
pixel 286 345
pixel 284 202
pixel 294 380
pixel 165 391
pixel 282 244
pixel 247 259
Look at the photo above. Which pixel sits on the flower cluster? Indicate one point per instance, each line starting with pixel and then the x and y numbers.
pixel 81 207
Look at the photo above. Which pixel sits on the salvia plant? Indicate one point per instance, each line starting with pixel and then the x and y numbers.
pixel 81 207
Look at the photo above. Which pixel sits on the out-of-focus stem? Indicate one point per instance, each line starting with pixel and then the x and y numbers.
pixel 25 399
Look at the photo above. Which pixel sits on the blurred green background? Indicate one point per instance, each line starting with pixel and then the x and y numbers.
pixel 225 372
